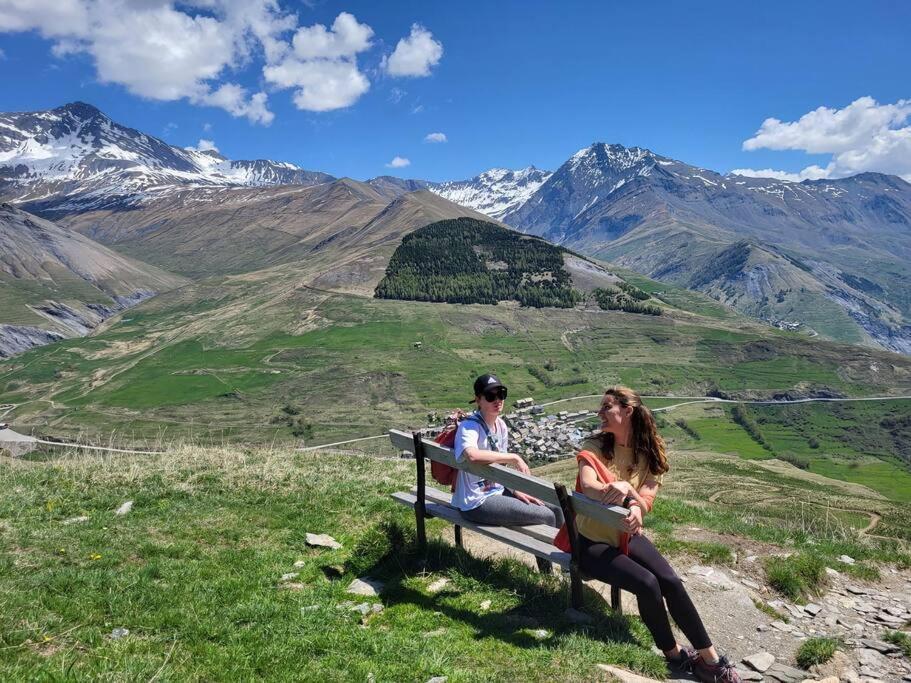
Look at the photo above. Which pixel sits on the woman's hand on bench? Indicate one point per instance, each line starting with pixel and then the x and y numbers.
pixel 525 498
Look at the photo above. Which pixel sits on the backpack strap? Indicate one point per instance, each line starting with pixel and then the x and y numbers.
pixel 475 417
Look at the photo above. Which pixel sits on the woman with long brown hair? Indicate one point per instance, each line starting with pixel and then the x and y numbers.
pixel 624 465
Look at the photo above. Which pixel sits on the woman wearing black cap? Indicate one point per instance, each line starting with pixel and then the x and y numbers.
pixel 483 438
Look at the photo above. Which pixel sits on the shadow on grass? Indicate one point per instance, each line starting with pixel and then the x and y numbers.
pixel 388 551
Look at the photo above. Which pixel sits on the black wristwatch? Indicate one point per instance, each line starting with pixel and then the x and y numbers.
pixel 627 500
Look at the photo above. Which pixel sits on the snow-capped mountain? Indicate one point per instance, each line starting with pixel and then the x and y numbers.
pixel 829 255
pixel 495 192
pixel 75 158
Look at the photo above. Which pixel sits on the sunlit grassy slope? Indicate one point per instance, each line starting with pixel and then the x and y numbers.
pixel 218 360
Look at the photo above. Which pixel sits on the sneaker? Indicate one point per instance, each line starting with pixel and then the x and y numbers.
pixel 720 672
pixel 685 662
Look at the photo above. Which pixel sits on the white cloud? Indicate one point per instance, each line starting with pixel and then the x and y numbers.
pixel 398 162
pixel 414 55
pixel 809 173
pixel 158 51
pixel 203 146
pixel 323 84
pixel 346 38
pixel 864 136
pixel 2 54
pixel 206 127
pixel 54 18
pixel 436 137
pixel 233 99
pixel 323 65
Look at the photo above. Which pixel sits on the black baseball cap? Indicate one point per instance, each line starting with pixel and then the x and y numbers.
pixel 485 383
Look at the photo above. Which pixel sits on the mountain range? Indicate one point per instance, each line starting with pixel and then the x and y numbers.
pixel 828 257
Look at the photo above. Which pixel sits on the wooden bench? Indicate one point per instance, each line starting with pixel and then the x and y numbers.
pixel 535 539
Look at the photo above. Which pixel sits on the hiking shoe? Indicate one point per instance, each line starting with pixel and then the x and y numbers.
pixel 720 672
pixel 685 662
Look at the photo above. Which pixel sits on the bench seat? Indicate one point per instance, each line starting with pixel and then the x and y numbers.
pixel 511 536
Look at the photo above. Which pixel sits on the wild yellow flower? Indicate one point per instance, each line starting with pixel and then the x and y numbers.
pixel 94 556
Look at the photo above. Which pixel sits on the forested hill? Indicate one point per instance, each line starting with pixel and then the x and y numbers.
pixel 468 261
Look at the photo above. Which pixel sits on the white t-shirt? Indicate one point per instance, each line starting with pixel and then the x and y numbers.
pixel 471 490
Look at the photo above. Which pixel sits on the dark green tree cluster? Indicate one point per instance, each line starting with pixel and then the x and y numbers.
pixel 616 299
pixel 468 261
pixel 633 292
pixel 742 416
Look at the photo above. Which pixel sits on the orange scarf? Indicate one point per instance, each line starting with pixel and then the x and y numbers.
pixel 605 476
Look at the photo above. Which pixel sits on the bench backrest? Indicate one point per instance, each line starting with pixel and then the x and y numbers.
pixel 612 515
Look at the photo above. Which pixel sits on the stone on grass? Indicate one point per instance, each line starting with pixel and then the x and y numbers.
pixel 363 608
pixel 812 609
pixel 322 541
pixel 846 559
pixel 832 572
pixel 437 679
pixel 435 633
pixel 288 576
pixel 485 605
pixel 625 676
pixel 540 634
pixel 76 520
pixel 119 633
pixel 300 564
pixel 760 661
pixel 365 586
pixel 125 508
pixel 437 585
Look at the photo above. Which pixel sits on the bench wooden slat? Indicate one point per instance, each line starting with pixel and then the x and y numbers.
pixel 507 535
pixel 612 515
pixel 541 532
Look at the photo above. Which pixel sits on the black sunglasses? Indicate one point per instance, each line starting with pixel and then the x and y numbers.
pixel 494 394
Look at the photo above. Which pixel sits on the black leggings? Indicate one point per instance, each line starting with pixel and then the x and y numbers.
pixel 647 575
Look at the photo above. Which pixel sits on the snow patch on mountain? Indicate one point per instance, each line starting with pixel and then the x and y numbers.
pixel 495 192
pixel 83 160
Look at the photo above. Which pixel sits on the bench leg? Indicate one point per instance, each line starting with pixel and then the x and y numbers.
pixel 615 602
pixel 544 566
pixel 458 536
pixel 575 588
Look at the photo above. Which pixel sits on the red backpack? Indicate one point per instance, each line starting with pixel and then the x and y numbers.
pixel 442 473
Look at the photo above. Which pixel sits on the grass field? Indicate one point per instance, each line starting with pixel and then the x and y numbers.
pixel 210 575
pixel 194 573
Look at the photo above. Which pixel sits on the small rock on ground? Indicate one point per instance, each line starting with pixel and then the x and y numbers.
pixel 485 605
pixel 366 586
pixel 438 585
pixel 125 508
pixel 76 520
pixel 322 541
pixel 785 674
pixel 119 633
pixel 438 679
pixel 288 576
pixel 760 661
pixel 625 676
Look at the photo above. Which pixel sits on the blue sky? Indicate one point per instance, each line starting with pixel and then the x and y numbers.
pixel 517 83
